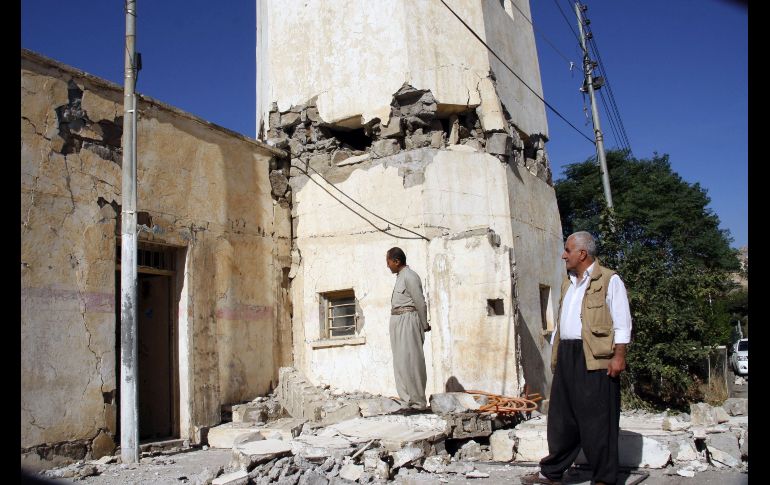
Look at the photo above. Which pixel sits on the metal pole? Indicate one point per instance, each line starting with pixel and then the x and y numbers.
pixel 588 68
pixel 129 409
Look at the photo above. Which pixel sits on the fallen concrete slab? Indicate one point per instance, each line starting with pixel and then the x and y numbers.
pixel 246 455
pixel 393 431
pixel 224 435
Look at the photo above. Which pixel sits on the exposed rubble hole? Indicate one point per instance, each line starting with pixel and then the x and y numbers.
pixel 495 307
pixel 356 138
pixel 453 445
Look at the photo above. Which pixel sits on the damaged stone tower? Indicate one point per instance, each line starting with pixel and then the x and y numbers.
pixel 404 130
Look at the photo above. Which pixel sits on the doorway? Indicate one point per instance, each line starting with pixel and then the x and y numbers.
pixel 158 371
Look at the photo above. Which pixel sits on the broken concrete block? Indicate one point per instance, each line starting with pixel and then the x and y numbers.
pixel 437 139
pixel 720 415
pixel 435 463
pixel 312 477
pixel 499 144
pixel 393 128
pixel 736 406
pixel 470 451
pixel 316 448
pixel 469 425
pixel 725 442
pixel 224 435
pixel 720 459
pixel 247 455
pixel 295 147
pixel 474 143
pixel 351 472
pixel 452 402
pixel 378 406
pixel 673 424
pixel 371 457
pixel 312 114
pixel 251 412
pixel 290 119
pixel 385 148
pixel 240 477
pixel 476 474
pixel 278 182
pixel 354 160
pixel 683 451
pixel 502 442
pixel 490 111
pixel 393 431
pixel 102 445
pixel 701 414
pixel 334 412
pixel 288 428
pixel 406 455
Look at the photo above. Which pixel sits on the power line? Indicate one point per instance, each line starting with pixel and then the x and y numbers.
pixel 420 236
pixel 540 33
pixel 514 73
pixel 569 24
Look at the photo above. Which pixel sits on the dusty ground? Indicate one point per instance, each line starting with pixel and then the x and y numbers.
pixel 199 465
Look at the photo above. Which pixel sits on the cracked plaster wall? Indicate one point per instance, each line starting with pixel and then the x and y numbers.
pixel 206 191
pixel 353 71
pixel 463 195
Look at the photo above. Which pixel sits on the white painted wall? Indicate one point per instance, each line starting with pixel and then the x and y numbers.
pixel 355 54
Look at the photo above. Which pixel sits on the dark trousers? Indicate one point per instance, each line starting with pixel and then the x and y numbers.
pixel 584 412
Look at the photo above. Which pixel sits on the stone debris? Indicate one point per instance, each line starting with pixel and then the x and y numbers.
pixel 225 435
pixel 452 402
pixel 736 406
pixel 241 477
pixel 476 474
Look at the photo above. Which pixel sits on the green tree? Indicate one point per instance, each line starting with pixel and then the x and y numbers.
pixel 667 246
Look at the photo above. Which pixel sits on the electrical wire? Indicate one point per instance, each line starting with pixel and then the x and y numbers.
pixel 516 75
pixel 569 24
pixel 420 236
pixel 513 2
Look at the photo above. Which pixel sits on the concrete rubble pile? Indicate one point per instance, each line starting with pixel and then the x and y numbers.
pixel 416 121
pixel 305 434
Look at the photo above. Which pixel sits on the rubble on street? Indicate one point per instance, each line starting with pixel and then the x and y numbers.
pixel 323 441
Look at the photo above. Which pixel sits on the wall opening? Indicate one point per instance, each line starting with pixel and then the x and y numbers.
pixel 157 350
pixel 339 314
pixel 355 138
pixel 546 309
pixel 495 307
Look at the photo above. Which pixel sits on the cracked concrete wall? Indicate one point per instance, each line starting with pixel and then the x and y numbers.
pixel 353 71
pixel 485 219
pixel 205 190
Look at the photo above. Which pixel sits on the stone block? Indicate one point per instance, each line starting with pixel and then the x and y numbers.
pixel 452 402
pixel 354 160
pixel 312 114
pixel 247 455
pixel 378 406
pixel 290 119
pixel 499 144
pixel 102 445
pixel 683 451
pixel 240 477
pixel 736 406
pixel 502 443
pixel 351 472
pixel 318 448
pixel 385 148
pixel 334 412
pixel 720 415
pixel 296 147
pixel 469 425
pixel 393 129
pixel 744 444
pixel 436 463
pixel 406 455
pixel 721 459
pixel 673 424
pixel 470 451
pixel 474 143
pixel 224 435
pixel 437 139
pixel 726 442
pixel 701 414
pixel 278 182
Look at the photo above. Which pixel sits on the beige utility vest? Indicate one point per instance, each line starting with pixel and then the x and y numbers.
pixel 597 332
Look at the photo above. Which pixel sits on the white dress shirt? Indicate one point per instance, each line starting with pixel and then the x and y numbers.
pixel 570 325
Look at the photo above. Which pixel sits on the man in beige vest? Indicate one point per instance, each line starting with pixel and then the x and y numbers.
pixel 408 324
pixel 589 353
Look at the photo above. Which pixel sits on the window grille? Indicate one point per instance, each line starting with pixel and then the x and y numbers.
pixel 340 312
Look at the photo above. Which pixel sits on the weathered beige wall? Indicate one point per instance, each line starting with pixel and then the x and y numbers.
pixel 208 193
pixel 355 54
pixel 455 198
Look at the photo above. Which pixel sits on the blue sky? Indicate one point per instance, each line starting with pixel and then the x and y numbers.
pixel 678 70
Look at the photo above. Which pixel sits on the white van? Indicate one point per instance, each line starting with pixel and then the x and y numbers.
pixel 740 357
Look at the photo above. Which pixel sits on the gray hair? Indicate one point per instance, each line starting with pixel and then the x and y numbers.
pixel 584 240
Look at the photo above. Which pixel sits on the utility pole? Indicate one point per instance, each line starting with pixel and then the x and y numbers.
pixel 588 67
pixel 129 368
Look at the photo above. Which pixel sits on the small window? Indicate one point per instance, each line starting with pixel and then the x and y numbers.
pixel 339 310
pixel 495 307
pixel 546 308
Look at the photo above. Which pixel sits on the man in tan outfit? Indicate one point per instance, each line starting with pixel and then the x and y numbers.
pixel 408 324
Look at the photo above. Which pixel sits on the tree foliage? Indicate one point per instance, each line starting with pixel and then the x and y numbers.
pixel 666 245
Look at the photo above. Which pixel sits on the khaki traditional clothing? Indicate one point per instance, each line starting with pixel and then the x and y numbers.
pixel 408 323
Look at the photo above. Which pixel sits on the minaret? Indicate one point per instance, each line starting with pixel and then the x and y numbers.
pixel 415 124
